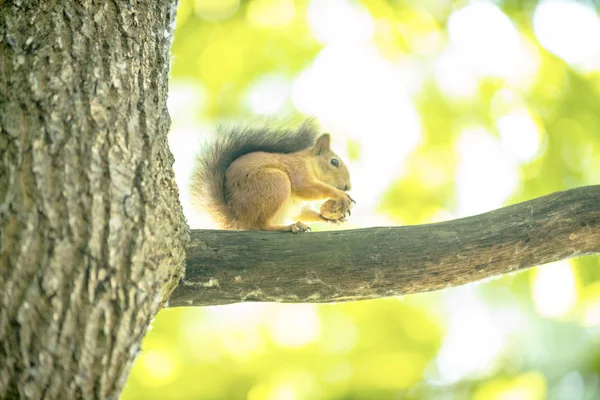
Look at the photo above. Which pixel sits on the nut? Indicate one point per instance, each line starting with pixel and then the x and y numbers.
pixel 332 210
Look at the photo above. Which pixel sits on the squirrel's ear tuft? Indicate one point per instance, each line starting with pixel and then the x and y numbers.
pixel 322 144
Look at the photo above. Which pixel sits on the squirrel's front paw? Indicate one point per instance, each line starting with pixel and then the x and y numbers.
pixel 299 227
pixel 336 211
pixel 346 203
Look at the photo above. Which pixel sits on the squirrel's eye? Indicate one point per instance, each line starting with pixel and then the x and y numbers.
pixel 335 162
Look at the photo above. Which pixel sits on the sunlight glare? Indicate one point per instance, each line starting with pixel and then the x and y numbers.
pixel 268 94
pixel 184 143
pixel 453 77
pixel 525 73
pixel 339 21
pixel 239 316
pixel 240 326
pixel 519 135
pixel 185 100
pixel 474 338
pixel 354 91
pixel 592 313
pixel 158 366
pixel 554 289
pixel 487 39
pixel 485 177
pixel 570 30
pixel 591 306
pixel 295 325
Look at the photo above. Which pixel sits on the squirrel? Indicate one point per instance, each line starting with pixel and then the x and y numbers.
pixel 253 179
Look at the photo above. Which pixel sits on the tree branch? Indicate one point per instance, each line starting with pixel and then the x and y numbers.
pixel 229 267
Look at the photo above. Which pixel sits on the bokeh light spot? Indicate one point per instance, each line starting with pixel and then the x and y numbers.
pixel 271 13
pixel 554 289
pixel 453 77
pixel 353 90
pixel 157 366
pixel 485 178
pixel 591 306
pixel 569 29
pixel 486 37
pixel 267 95
pixel 352 21
pixel 295 326
pixel 474 338
pixel 519 135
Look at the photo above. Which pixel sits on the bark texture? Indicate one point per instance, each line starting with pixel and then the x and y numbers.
pixel 229 267
pixel 92 235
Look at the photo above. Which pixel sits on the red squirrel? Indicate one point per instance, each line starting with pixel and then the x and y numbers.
pixel 254 178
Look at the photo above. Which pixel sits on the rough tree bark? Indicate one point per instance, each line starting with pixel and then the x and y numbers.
pixel 231 267
pixel 92 235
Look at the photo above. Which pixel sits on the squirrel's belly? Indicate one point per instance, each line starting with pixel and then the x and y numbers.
pixel 287 212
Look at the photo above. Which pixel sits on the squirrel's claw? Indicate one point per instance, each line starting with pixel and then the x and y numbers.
pixel 333 221
pixel 299 227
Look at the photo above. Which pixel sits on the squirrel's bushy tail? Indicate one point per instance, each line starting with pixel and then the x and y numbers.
pixel 207 180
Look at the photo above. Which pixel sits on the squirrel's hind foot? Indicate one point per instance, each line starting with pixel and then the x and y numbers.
pixel 296 227
pixel 299 227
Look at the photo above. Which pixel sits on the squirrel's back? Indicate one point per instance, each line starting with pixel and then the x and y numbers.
pixel 207 181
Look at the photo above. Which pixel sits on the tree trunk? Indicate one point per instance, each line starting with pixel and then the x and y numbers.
pixel 92 235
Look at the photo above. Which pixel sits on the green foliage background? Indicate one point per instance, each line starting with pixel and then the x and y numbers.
pixel 415 347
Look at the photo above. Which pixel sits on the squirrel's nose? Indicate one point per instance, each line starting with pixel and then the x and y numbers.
pixel 347 187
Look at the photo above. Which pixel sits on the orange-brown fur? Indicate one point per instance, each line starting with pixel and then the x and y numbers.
pixel 262 188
